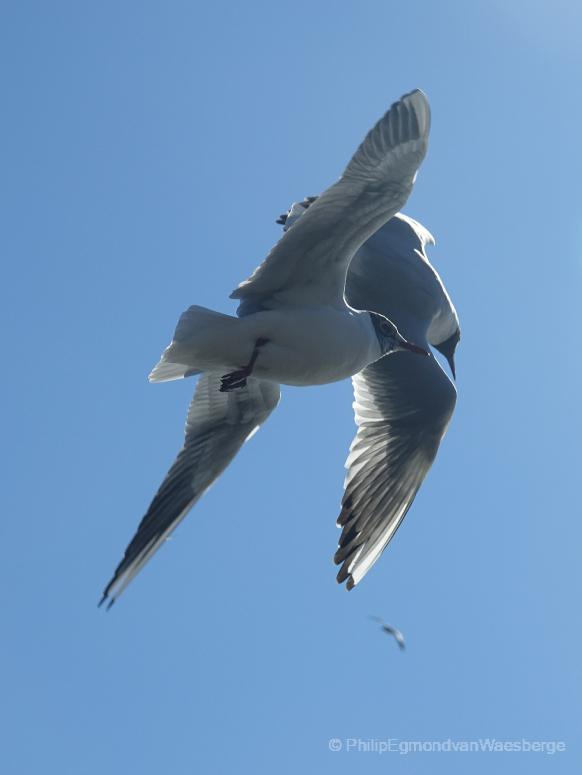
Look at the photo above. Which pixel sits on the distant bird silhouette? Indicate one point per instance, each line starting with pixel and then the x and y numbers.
pixel 398 636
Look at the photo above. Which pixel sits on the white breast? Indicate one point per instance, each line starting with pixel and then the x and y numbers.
pixel 313 346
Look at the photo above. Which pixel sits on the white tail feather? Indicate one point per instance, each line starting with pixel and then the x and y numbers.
pixel 166 371
pixel 196 345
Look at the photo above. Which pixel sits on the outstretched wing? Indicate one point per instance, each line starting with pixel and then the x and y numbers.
pixel 309 263
pixel 403 405
pixel 217 426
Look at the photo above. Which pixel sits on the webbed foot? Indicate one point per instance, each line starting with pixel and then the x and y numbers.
pixel 238 379
pixel 234 380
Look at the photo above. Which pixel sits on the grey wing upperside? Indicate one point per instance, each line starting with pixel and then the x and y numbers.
pixel 309 263
pixel 403 405
pixel 391 274
pixel 217 426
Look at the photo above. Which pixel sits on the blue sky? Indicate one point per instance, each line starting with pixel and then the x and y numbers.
pixel 147 150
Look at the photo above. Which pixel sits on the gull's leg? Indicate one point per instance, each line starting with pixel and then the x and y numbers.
pixel 238 379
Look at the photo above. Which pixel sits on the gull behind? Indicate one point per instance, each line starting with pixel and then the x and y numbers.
pixel 403 405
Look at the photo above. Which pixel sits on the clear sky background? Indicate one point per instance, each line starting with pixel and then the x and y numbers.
pixel 147 150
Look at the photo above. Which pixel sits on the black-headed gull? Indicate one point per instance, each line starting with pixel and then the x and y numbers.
pixel 403 405
pixel 294 326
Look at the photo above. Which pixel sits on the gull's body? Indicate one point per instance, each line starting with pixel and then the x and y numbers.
pixel 295 326
pixel 345 343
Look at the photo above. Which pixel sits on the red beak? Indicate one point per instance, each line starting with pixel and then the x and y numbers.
pixel 414 348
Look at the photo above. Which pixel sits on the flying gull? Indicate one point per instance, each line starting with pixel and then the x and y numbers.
pixel 296 326
pixel 389 630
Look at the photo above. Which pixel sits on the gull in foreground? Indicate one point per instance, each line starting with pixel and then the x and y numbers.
pixel 295 326
pixel 387 628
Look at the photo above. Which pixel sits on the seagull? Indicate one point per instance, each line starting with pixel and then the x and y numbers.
pixel 295 325
pixel 398 636
pixel 403 405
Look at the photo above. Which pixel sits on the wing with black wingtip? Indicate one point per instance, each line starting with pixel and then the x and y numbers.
pixel 217 426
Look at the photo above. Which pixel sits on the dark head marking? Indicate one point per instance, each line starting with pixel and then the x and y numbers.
pixel 448 347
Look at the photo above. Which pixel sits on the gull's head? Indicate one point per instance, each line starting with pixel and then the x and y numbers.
pixel 390 338
pixel 448 347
